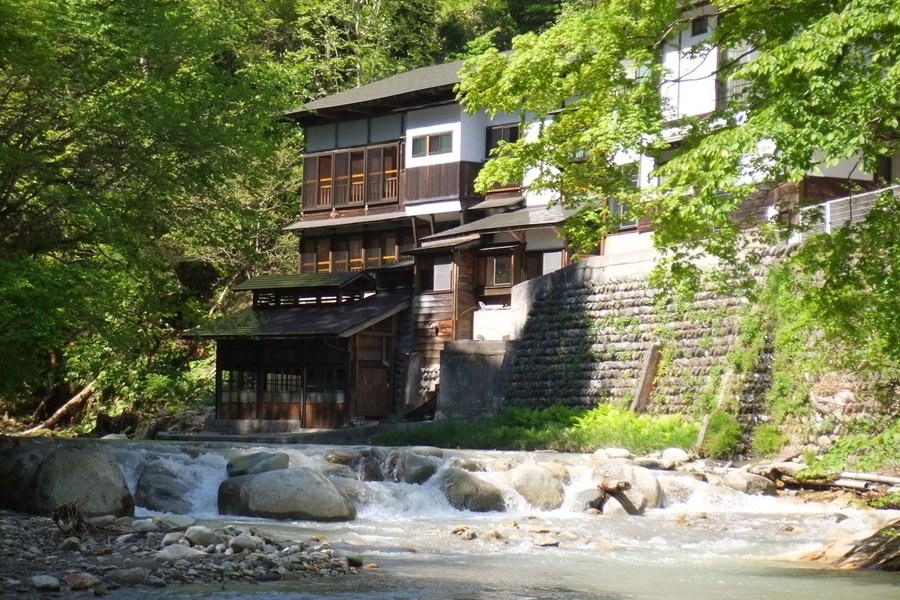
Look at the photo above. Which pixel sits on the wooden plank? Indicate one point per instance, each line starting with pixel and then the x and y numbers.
pixel 647 378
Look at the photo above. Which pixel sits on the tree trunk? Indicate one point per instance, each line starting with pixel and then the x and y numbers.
pixel 73 403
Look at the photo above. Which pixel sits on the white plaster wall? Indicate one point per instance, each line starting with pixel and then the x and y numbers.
pixel 691 86
pixel 438 119
pixel 848 168
pixel 535 197
pixel 625 243
pixel 495 324
pixel 542 239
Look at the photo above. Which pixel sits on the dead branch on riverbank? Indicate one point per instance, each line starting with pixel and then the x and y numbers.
pixel 74 403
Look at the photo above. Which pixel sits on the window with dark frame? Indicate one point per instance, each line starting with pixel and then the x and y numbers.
pixel 435 143
pixel 497 270
pixel 699 26
pixel 501 133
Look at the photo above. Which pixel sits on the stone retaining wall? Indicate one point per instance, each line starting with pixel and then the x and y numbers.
pixel 584 343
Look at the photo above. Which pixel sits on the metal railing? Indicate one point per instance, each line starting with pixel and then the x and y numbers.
pixel 834 214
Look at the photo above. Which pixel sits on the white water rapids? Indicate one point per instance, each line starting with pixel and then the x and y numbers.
pixel 700 546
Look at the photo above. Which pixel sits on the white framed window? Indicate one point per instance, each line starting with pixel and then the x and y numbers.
pixel 435 143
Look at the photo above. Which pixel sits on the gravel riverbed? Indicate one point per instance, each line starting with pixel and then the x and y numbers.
pixel 109 554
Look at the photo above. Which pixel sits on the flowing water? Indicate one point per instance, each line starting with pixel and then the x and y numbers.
pixel 702 545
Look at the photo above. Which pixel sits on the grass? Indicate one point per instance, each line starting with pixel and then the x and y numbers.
pixel 557 427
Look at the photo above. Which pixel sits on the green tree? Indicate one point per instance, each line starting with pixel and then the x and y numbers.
pixel 132 136
pixel 824 85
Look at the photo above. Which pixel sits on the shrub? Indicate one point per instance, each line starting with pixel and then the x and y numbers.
pixel 723 434
pixel 767 439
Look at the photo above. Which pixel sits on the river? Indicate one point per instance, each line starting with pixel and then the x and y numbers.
pixel 700 546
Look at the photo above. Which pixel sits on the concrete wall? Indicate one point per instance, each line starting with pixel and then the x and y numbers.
pixel 473 378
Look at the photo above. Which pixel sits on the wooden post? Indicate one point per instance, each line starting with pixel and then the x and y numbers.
pixel 648 376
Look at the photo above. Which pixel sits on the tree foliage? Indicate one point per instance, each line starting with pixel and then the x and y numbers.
pixel 824 85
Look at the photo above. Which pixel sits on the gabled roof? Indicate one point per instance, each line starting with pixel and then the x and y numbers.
pixel 307 281
pixel 314 320
pixel 526 218
pixel 394 92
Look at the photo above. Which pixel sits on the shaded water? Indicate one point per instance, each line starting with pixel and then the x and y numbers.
pixel 700 546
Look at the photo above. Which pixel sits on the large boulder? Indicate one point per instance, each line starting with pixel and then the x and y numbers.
pixel 538 485
pixel 644 491
pixel 257 462
pixel 412 468
pixel 162 489
pixel 466 491
pixel 85 475
pixel 298 493
pixel 18 466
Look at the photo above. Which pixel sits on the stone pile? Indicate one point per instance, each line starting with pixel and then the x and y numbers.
pixel 118 552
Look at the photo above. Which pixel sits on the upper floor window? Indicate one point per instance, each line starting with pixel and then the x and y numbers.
pixel 501 133
pixel 619 210
pixel 699 26
pixel 435 143
pixel 351 177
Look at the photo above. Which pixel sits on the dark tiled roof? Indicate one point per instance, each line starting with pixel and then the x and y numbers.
pixel 417 80
pixel 308 281
pixel 341 221
pixel 526 218
pixel 314 320
pixel 501 202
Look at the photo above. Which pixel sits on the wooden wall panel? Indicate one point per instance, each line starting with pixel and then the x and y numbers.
pixel 435 307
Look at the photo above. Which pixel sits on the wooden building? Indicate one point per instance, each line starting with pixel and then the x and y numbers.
pixel 313 350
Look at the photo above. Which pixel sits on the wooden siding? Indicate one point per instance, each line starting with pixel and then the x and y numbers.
pixel 432 307
pixel 439 182
pixel 465 301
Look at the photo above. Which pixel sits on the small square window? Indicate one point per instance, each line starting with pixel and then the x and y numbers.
pixel 699 26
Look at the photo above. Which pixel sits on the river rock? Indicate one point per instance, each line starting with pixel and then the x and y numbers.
pixel 586 499
pixel 18 466
pixel 674 457
pixel 244 541
pixel 541 488
pixel 81 581
pixel 298 493
pixel 428 451
pixel 85 475
pixel 749 483
pixel 342 457
pixel 199 535
pixel 412 468
pixel 45 583
pixel 144 526
pixel 162 489
pixel 874 550
pixel 257 462
pixel 353 489
pixel 645 491
pixel 174 522
pixel 678 489
pixel 70 544
pixel 370 469
pixel 129 577
pixel 466 491
pixel 177 552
